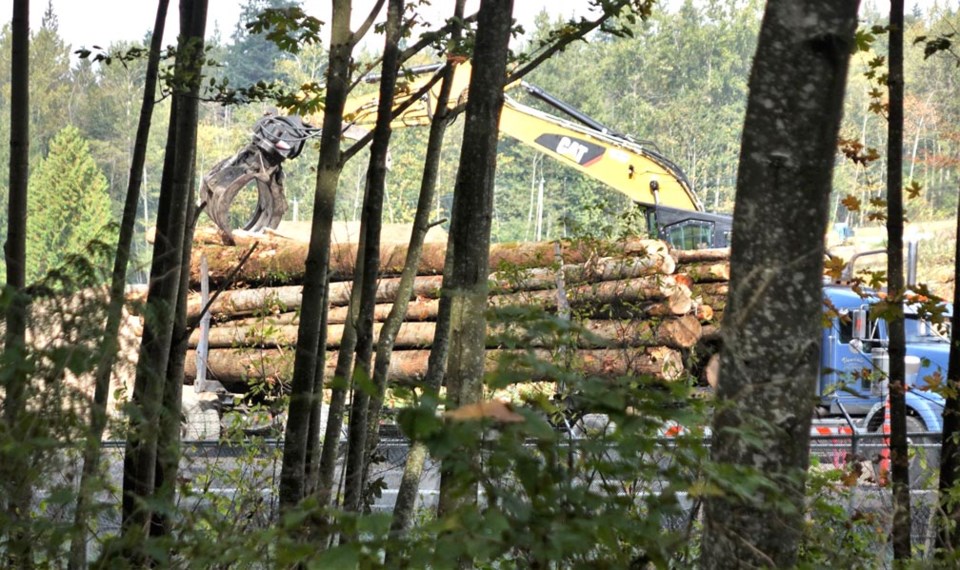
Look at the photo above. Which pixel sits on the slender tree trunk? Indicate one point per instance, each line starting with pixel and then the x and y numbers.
pixel 782 203
pixel 314 446
pixel 421 225
pixel 140 460
pixel 128 223
pixel 948 526
pixel 302 396
pixel 338 399
pixel 14 464
pixel 371 223
pixel 168 443
pixel 404 508
pixel 900 462
pixel 470 235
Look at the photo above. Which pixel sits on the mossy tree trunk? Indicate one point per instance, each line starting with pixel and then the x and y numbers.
pixel 371 225
pixel 900 462
pixel 467 285
pixel 771 326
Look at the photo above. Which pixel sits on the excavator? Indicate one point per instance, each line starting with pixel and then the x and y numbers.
pixel 672 210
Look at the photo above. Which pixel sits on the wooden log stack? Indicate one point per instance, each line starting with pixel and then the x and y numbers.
pixel 707 271
pixel 639 305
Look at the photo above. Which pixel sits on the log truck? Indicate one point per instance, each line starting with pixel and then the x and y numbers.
pixel 854 343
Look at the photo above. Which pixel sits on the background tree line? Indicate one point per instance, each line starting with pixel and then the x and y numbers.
pixel 685 95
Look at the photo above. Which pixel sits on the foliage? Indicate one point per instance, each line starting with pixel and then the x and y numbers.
pixel 252 56
pixel 68 205
pixel 833 535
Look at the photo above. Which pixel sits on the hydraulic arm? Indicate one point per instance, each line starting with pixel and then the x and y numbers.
pixel 634 168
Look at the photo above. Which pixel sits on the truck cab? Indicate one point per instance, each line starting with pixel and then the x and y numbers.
pixel 853 349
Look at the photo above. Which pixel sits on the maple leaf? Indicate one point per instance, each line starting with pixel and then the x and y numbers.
pixel 851 203
pixel 934 382
pixel 913 190
pixel 833 267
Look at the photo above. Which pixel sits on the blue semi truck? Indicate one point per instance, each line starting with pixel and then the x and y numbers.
pixel 854 364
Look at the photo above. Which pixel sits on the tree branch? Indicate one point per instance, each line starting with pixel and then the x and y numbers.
pixel 554 48
pixel 223 287
pixel 397 111
pixel 365 26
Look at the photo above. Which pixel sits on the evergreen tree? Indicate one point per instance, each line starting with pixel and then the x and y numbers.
pixel 50 83
pixel 252 57
pixel 69 203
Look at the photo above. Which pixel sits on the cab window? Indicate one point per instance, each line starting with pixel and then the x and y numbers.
pixel 690 235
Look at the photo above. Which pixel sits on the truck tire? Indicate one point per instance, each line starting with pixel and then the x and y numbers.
pixel 924 456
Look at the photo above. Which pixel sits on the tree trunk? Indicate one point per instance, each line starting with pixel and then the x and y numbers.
pixel 293 472
pixel 13 463
pixel 900 462
pixel 404 508
pixel 314 445
pixel 771 328
pixel 948 526
pixel 470 232
pixel 140 459
pixel 118 281
pixel 371 224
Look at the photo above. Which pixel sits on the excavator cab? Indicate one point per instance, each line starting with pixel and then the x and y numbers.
pixel 683 229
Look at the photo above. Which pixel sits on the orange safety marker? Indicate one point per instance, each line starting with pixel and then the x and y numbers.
pixel 885 450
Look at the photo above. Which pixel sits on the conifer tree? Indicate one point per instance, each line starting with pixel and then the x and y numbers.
pixel 69 203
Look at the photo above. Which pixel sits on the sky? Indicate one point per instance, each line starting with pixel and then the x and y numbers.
pixel 85 23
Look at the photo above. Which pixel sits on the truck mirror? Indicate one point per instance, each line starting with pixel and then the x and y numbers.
pixel 859 318
pixel 911 365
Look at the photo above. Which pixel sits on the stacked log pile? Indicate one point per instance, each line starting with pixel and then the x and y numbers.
pixel 708 273
pixel 636 301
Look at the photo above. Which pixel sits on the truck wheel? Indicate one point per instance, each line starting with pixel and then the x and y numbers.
pixel 924 456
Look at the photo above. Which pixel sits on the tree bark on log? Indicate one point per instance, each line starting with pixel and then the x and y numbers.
pixel 234 367
pixel 681 332
pixel 605 269
pixel 687 256
pixel 277 262
pixel 671 298
pixel 418 310
pixel 240 302
pixel 706 271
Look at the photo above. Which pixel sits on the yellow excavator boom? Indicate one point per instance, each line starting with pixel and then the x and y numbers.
pixel 641 173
